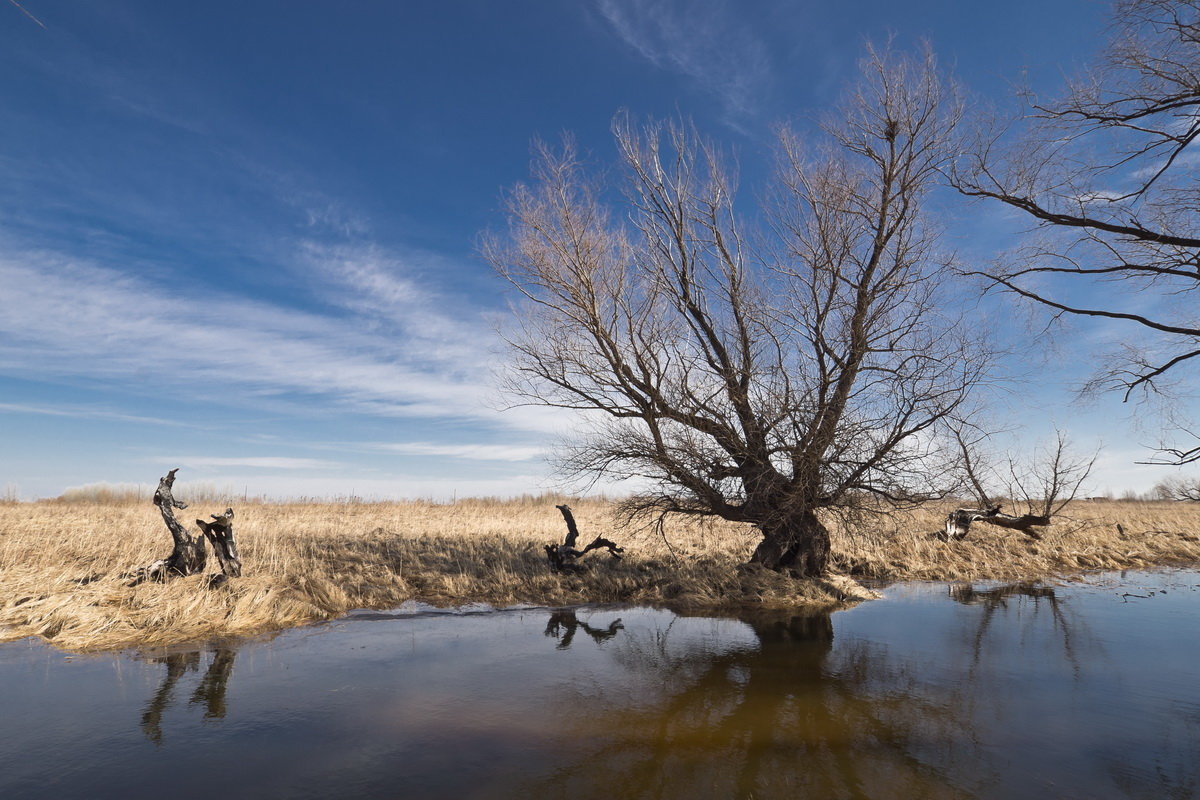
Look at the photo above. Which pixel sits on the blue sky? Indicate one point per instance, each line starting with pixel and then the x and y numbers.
pixel 241 237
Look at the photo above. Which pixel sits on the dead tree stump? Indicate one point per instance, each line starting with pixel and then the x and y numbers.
pixel 219 533
pixel 189 556
pixel 564 557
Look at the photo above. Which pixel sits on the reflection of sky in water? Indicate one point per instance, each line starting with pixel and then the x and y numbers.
pixel 988 693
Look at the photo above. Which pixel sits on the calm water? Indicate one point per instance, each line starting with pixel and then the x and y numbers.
pixel 1087 691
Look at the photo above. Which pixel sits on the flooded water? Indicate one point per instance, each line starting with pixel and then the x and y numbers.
pixel 1086 691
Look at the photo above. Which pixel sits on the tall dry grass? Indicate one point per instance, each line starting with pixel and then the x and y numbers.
pixel 1085 538
pixel 62 565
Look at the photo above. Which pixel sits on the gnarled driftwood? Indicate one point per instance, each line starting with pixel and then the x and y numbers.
pixel 563 557
pixel 219 533
pixel 189 556
pixel 958 522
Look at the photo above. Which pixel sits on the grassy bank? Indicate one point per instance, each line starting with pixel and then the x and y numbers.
pixel 61 564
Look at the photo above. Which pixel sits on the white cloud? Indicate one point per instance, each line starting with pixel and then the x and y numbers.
pixel 703 41
pixel 67 317
pixel 87 413
pixel 379 286
pixel 396 487
pixel 470 452
pixel 1117 471
pixel 1187 159
pixel 263 462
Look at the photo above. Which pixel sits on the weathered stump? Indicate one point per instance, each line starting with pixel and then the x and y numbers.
pixel 219 533
pixel 564 557
pixel 189 556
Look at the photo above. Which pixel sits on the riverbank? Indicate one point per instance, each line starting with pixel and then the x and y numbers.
pixel 62 565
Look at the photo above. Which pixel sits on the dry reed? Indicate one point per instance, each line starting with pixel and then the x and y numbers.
pixel 62 564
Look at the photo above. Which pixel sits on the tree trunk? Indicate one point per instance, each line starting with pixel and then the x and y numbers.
pixel 798 543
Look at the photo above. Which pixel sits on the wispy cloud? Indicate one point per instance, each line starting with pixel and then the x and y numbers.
pixel 1189 158
pixel 1097 196
pixel 67 317
pixel 262 462
pixel 26 13
pixel 1117 470
pixel 705 41
pixel 470 452
pixel 87 413
pixel 380 289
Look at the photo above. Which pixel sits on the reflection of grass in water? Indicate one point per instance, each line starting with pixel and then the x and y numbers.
pixel 61 564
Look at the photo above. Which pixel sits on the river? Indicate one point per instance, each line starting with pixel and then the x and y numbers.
pixel 1088 690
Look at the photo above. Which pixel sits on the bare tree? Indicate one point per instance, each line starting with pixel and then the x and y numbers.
pixel 1039 488
pixel 763 372
pixel 1178 489
pixel 1108 175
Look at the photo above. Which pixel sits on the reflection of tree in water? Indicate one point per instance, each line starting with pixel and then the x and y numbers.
pixel 770 717
pixel 996 598
pixel 209 692
pixel 775 709
pixel 1161 765
pixel 563 624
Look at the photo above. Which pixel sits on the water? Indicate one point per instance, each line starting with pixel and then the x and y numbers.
pixel 1087 691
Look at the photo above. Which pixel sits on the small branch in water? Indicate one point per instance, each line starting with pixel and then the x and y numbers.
pixel 1126 595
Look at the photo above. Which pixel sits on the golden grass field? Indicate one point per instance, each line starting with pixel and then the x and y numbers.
pixel 62 565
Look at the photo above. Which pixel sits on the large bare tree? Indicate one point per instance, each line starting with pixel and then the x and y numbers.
pixel 1108 175
pixel 766 368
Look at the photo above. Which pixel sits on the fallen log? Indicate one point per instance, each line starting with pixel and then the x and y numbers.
pixel 564 557
pixel 188 555
pixel 958 522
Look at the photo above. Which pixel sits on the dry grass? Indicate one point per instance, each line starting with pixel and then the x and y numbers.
pixel 61 564
pixel 1085 539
